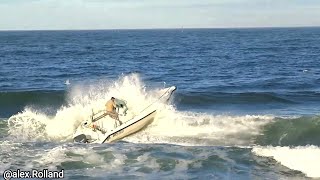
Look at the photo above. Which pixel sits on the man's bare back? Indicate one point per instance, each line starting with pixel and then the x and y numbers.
pixel 111 109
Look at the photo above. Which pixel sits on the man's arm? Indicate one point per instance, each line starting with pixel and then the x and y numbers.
pixel 114 105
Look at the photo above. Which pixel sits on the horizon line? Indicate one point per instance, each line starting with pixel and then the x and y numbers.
pixel 176 28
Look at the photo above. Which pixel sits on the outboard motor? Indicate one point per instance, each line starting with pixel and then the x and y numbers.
pixel 80 139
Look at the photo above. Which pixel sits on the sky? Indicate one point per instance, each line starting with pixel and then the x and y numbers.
pixel 149 14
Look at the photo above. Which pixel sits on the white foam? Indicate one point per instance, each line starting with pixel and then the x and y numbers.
pixel 148 161
pixel 118 161
pixel 7 148
pixel 191 128
pixel 53 157
pixel 302 158
pixel 27 125
pixel 34 125
pixel 169 126
pixel 50 159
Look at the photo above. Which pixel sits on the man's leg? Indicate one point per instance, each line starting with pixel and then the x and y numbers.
pixel 114 115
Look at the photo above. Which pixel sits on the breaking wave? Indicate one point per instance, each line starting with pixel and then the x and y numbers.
pixel 302 158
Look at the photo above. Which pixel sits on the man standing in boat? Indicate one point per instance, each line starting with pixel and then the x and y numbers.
pixel 111 109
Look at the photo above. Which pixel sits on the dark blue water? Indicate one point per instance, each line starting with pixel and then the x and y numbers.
pixel 230 70
pixel 269 77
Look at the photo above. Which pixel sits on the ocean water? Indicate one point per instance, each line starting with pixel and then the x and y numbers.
pixel 246 104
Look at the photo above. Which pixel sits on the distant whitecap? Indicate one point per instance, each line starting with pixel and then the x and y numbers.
pixel 67 82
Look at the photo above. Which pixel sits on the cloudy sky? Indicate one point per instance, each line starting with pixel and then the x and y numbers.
pixel 135 14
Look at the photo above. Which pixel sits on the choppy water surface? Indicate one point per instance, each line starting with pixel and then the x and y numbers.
pixel 246 106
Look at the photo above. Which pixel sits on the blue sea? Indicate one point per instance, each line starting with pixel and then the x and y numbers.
pixel 246 106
